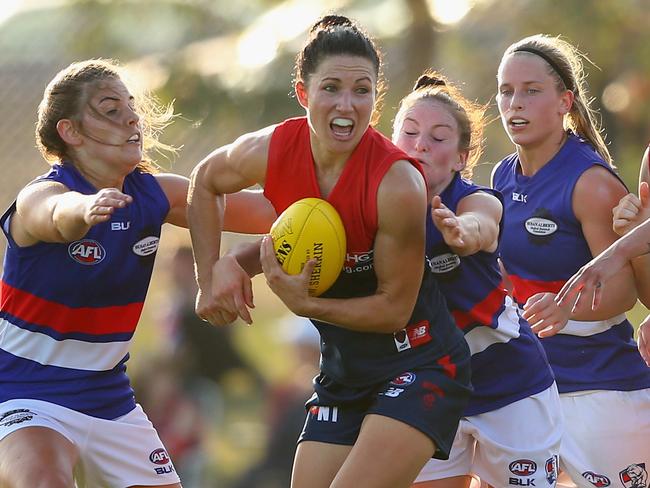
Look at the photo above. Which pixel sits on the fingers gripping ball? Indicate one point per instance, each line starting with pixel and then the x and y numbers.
pixel 311 228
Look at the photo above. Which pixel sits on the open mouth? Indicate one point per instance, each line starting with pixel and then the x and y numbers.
pixel 342 127
pixel 134 139
pixel 517 122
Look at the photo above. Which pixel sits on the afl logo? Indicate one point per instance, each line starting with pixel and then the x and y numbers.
pixel 159 456
pixel 404 379
pixel 539 226
pixel 87 252
pixel 444 263
pixel 523 467
pixel 146 246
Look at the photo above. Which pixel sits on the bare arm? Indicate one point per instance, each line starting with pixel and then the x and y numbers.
pixel 49 212
pixel 401 206
pixel 226 170
pixel 475 225
pixel 595 194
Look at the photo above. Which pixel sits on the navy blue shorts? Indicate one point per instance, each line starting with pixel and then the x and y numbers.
pixel 430 399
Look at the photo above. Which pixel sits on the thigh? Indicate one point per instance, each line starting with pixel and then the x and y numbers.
pixel 127 451
pixel 606 438
pixel 454 472
pixel 519 444
pixel 388 454
pixel 316 464
pixel 37 456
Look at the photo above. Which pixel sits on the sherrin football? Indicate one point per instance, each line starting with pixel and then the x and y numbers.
pixel 311 228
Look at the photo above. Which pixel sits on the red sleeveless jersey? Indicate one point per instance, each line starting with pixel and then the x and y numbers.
pixel 351 357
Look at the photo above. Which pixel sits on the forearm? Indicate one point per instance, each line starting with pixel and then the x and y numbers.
pixel 248 257
pixel 67 216
pixel 620 297
pixel 471 232
pixel 378 313
pixel 206 223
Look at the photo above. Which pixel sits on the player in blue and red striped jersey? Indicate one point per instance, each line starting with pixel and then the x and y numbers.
pixel 81 246
pixel 559 189
pixel 513 415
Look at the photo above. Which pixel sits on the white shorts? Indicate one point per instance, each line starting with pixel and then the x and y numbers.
pixel 112 453
pixel 516 445
pixel 607 438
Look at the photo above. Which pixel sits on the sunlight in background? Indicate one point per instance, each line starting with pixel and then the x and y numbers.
pixel 258 45
pixel 449 11
pixel 11 7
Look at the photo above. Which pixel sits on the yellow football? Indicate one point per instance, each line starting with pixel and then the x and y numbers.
pixel 311 228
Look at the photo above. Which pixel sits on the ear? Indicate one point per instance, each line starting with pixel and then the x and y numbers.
pixel 566 102
pixel 68 132
pixel 462 161
pixel 301 93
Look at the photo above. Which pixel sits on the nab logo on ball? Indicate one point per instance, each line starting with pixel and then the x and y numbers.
pixel 308 229
pixel 87 252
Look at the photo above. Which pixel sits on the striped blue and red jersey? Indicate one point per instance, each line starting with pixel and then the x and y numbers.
pixel 350 357
pixel 69 310
pixel 542 247
pixel 508 362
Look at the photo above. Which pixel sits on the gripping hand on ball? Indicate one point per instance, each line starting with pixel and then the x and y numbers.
pixel 293 290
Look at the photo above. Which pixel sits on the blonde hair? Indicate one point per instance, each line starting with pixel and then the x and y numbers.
pixel 68 93
pixel 565 65
pixel 470 116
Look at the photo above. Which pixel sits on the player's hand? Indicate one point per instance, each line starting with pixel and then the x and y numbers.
pixel 644 340
pixel 231 294
pixel 101 205
pixel 545 316
pixel 631 211
pixel 293 290
pixel 447 223
pixel 588 282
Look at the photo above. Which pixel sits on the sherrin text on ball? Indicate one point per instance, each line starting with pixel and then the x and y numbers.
pixel 311 228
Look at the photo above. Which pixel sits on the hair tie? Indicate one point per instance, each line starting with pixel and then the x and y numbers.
pixel 550 61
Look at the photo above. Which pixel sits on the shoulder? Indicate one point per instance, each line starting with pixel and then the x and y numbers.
pixel 598 189
pixel 173 185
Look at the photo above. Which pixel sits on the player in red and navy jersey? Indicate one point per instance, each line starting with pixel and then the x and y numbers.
pixel 514 414
pixel 394 371
pixel 81 246
pixel 559 189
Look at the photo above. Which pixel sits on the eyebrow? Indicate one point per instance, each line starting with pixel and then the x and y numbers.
pixel 532 82
pixel 115 99
pixel 333 78
pixel 448 126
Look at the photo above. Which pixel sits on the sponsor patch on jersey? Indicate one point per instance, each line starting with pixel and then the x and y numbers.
pixel 16 416
pixel 523 467
pixel 87 252
pixel 146 246
pixel 418 334
pixel 599 480
pixel 634 476
pixel 539 226
pixel 444 263
pixel 356 262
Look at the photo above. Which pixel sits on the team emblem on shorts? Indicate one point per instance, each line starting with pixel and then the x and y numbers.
pixel 523 467
pixel 159 456
pixel 404 379
pixel 596 479
pixel 17 416
pixel 87 252
pixel 634 476
pixel 551 468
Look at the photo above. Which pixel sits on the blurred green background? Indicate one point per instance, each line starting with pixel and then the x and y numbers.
pixel 227 66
